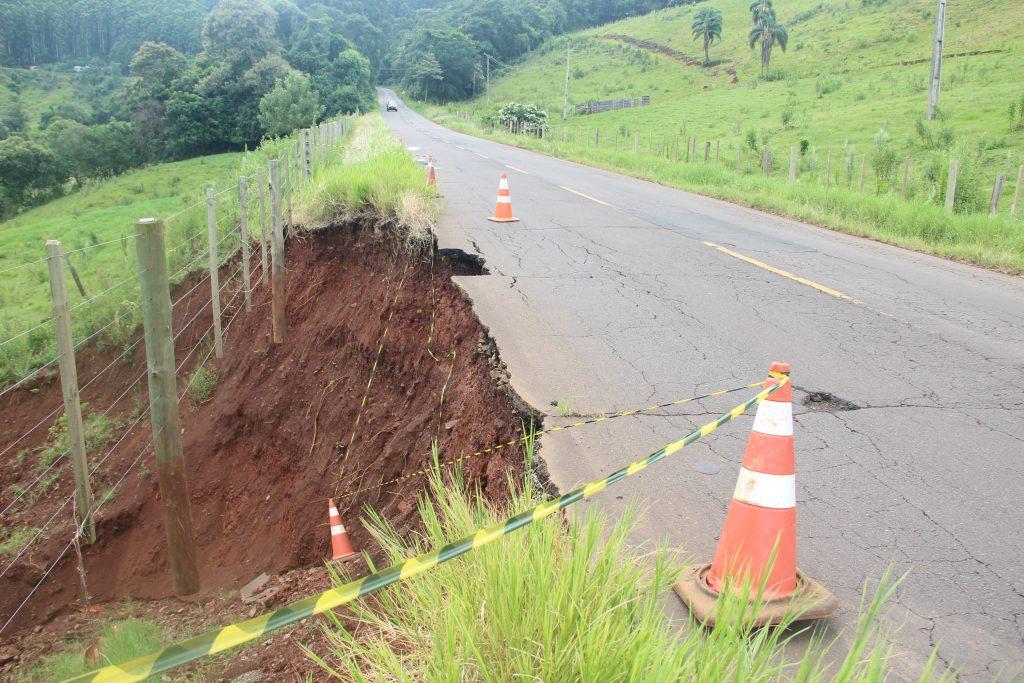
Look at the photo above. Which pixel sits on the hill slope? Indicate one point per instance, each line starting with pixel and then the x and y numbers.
pixel 852 70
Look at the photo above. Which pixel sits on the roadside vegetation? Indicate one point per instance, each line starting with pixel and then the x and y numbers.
pixel 848 94
pixel 376 176
pixel 565 599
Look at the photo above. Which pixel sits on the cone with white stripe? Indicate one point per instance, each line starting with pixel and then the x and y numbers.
pixel 757 548
pixel 341 547
pixel 503 208
pixel 431 176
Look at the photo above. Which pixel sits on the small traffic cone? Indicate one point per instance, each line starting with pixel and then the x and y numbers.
pixel 503 209
pixel 758 543
pixel 431 176
pixel 341 547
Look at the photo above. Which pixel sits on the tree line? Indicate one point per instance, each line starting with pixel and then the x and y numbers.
pixel 259 72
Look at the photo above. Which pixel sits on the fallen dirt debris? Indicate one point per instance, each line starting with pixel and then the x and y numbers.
pixel 264 452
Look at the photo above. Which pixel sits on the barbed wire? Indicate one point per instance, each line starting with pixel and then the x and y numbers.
pixel 26 264
pixel 24 332
pixel 106 291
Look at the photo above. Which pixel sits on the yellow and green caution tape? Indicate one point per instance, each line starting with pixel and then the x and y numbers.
pixel 251 629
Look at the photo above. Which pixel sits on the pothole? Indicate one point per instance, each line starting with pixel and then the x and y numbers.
pixel 823 401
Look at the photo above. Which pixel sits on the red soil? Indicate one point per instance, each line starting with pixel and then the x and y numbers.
pixel 264 454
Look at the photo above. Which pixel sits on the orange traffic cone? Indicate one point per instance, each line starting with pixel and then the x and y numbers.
pixel 341 547
pixel 431 176
pixel 503 209
pixel 758 543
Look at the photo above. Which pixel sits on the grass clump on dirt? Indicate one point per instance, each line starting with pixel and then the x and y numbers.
pixel 203 384
pixel 562 599
pixel 376 175
pixel 13 539
pixel 118 641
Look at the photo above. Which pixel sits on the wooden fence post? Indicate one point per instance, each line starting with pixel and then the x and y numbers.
pixel 997 193
pixel 211 230
pixel 1017 192
pixel 863 168
pixel 693 149
pixel 288 184
pixel 307 156
pixel 716 150
pixel 792 165
pixel 636 143
pixel 261 188
pixel 69 387
pixel 739 158
pixel 707 152
pixel 243 227
pixel 767 161
pixel 277 255
pixel 906 176
pixel 954 169
pixel 597 138
pixel 828 170
pixel 163 402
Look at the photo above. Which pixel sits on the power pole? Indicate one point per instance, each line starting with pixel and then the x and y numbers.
pixel 936 75
pixel 565 97
pixel 488 58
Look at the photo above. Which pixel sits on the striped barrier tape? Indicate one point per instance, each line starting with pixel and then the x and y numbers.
pixel 557 428
pixel 251 629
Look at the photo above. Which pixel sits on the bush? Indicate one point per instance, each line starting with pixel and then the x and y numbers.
pixel 529 115
pixel 826 84
pixel 203 384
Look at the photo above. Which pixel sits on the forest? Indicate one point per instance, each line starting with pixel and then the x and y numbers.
pixel 158 81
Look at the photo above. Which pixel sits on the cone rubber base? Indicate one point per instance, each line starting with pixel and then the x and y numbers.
pixel 346 558
pixel 503 220
pixel 810 600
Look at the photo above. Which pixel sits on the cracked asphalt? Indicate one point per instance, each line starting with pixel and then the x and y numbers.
pixel 612 298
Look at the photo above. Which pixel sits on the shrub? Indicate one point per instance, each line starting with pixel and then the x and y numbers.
pixel 203 384
pixel 826 84
pixel 530 115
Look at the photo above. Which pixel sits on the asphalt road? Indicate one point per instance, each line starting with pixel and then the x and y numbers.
pixel 610 293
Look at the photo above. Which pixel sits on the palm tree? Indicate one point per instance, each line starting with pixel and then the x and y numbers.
pixel 707 24
pixel 767 31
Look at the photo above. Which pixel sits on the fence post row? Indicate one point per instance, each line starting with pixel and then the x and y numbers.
pixel 211 229
pixel 163 401
pixel 69 387
pixel 277 255
pixel 243 226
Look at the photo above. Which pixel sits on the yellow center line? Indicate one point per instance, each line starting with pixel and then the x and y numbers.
pixel 785 273
pixel 586 196
pixel 518 170
pixel 481 155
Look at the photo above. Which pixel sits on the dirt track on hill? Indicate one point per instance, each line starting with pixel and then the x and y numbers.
pixel 259 478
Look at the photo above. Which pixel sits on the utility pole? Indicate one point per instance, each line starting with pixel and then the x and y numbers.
pixel 936 75
pixel 488 58
pixel 565 97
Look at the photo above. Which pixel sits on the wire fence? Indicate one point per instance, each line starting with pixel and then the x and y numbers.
pixel 104 306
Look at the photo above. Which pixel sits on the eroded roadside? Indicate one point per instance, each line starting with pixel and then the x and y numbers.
pixel 271 443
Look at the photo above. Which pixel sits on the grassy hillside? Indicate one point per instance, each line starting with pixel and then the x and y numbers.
pixel 90 223
pixel 38 92
pixel 849 93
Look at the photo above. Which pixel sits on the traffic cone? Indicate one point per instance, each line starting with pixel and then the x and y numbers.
pixel 431 176
pixel 758 543
pixel 503 209
pixel 341 547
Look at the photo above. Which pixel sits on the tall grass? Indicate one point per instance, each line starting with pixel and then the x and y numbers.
pixel 376 175
pixel 563 600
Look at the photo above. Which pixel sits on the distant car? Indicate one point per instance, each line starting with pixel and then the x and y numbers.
pixel 392 106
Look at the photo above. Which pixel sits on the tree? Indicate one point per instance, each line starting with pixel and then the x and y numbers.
pixel 439 64
pixel 767 31
pixel 239 33
pixel 156 66
pixel 707 24
pixel 27 171
pixel 291 104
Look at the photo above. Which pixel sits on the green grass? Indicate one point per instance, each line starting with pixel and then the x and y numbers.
pixel 203 384
pixel 118 641
pixel 564 599
pixel 834 91
pixel 94 225
pixel 12 540
pixel 375 175
pixel 39 91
